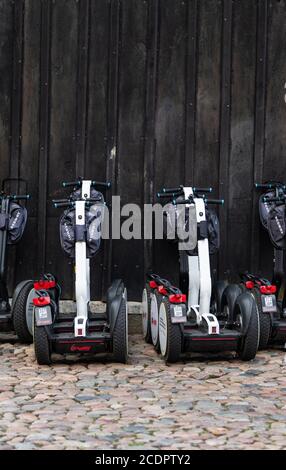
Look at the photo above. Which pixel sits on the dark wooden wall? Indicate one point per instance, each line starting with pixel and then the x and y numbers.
pixel 145 93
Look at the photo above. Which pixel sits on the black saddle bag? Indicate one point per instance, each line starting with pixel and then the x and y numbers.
pixel 14 222
pixel 272 216
pixel 92 230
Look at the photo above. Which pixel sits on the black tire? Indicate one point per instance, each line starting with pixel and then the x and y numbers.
pixel 19 313
pixel 264 320
pixel 218 290
pixel 248 346
pixel 171 344
pixel 120 335
pixel 42 346
pixel 229 297
pixel 147 335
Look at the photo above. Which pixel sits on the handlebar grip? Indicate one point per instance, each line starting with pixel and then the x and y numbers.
pixel 57 201
pixel 20 197
pixel 57 205
pixel 71 183
pixel 106 185
pixel 203 190
pixel 166 195
pixel 172 190
pixel 275 199
pixel 185 201
pixel 215 201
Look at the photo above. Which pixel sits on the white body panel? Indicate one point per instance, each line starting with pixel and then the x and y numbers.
pixel 82 268
pixel 200 284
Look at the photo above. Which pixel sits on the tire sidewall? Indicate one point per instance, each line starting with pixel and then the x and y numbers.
pixel 154 314
pixel 145 313
pixel 29 313
pixel 163 329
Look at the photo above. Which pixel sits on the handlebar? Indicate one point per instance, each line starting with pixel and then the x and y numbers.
pixel 78 183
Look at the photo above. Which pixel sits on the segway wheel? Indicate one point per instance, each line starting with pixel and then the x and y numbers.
pixel 146 314
pixel 42 346
pixel 22 313
pixel 264 321
pixel 120 334
pixel 154 310
pixel 245 305
pixel 170 335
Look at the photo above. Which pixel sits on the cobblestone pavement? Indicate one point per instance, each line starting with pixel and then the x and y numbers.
pixel 200 403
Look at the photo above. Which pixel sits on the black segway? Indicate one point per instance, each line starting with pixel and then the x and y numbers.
pixel 269 295
pixel 84 331
pixel 13 219
pixel 177 321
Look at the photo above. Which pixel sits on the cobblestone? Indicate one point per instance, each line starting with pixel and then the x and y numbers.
pixel 203 402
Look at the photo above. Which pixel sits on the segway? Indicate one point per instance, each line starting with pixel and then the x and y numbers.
pixel 81 332
pixel 191 321
pixel 269 295
pixel 13 219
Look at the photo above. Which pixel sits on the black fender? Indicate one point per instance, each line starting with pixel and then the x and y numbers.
pixel 217 293
pixel 245 305
pixel 114 297
pixel 18 289
pixel 229 297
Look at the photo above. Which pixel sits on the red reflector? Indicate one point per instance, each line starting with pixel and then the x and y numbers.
pixel 162 290
pixel 38 285
pixel 178 298
pixel 74 348
pixel 41 301
pixel 153 284
pixel 79 331
pixel 268 289
pixel 249 284
pixel 213 329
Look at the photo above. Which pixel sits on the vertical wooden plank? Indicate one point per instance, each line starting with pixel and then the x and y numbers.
pixel 130 144
pixel 225 116
pixel 82 84
pixel 275 136
pixel 150 112
pixel 112 122
pixel 169 125
pixel 191 89
pixel 242 135
pixel 6 75
pixel 17 89
pixel 7 103
pixel 206 163
pixel 96 151
pixel 44 132
pixel 170 118
pixel 29 162
pixel 259 137
pixel 62 139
